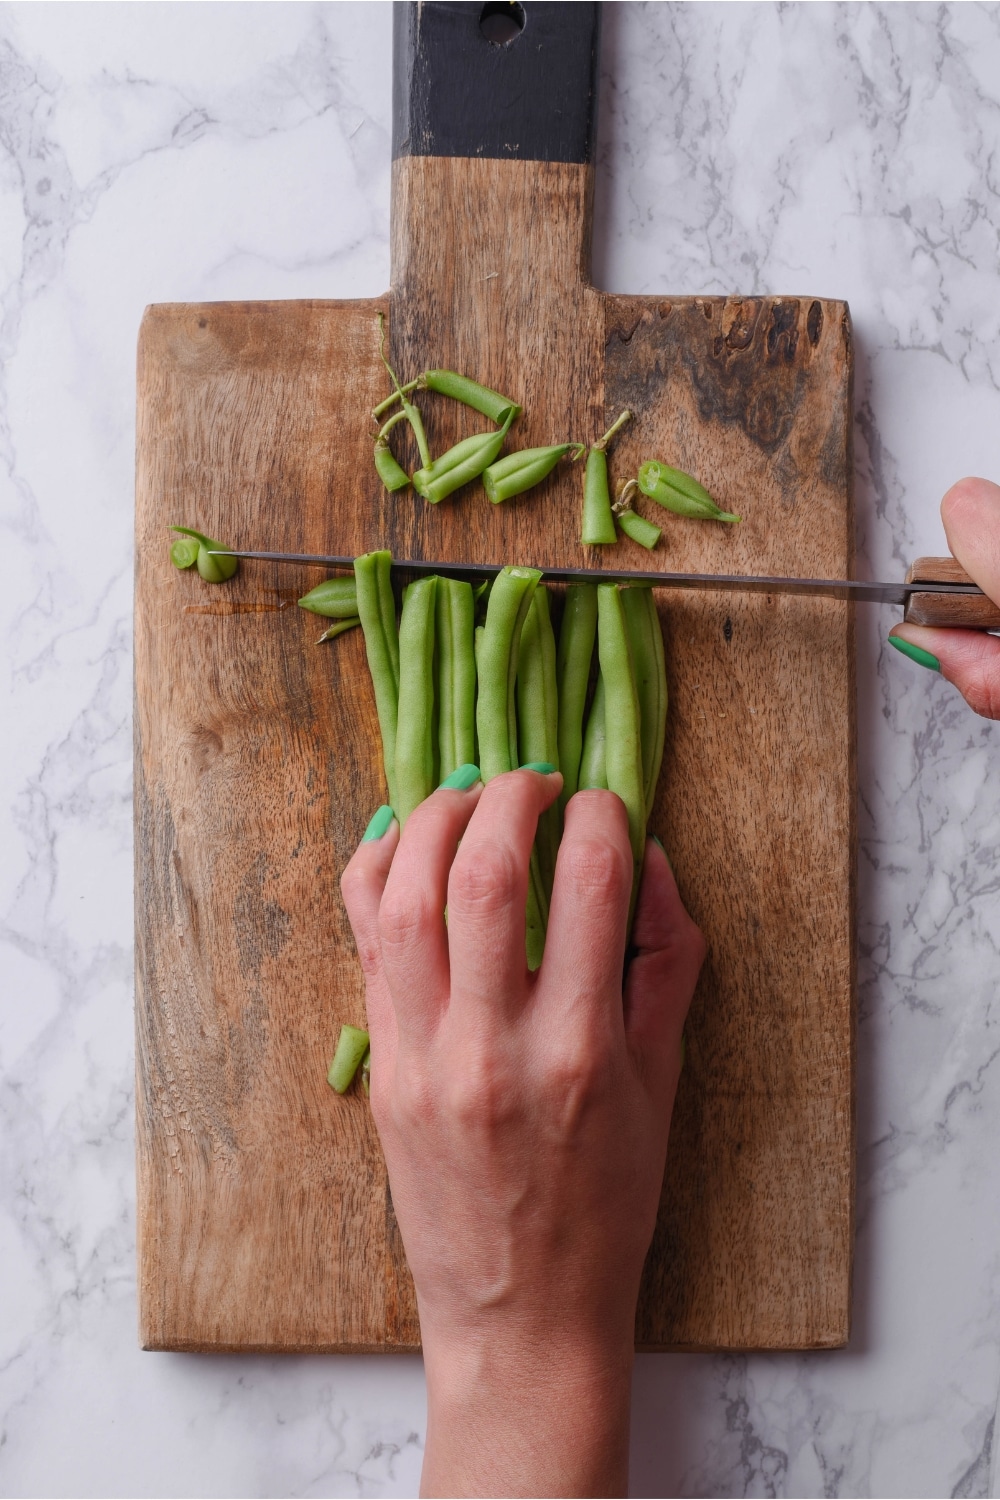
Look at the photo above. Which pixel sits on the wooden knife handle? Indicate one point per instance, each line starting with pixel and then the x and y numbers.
pixel 969 611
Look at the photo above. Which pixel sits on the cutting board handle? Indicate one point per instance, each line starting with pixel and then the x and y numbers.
pixel 455 92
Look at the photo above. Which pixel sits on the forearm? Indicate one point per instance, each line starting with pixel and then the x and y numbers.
pixel 537 1417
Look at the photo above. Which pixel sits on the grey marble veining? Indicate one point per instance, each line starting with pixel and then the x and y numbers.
pixel 156 152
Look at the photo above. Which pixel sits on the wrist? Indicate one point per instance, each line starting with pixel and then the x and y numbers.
pixel 534 1411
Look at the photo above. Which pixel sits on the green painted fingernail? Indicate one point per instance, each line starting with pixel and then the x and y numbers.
pixel 915 653
pixel 462 778
pixel 663 851
pixel 379 825
pixel 543 767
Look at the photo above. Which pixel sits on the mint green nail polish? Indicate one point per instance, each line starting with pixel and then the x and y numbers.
pixel 663 851
pixel 915 653
pixel 543 767
pixel 379 825
pixel 462 778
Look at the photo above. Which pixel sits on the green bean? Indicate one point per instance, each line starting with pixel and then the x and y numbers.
pixel 465 461
pixel 538 723
pixel 598 522
pixel 352 1044
pixel 366 1072
pixel 646 639
pixel 623 747
pixel 638 528
pixel 456 676
pixel 213 568
pixel 377 610
pixel 593 766
pixel 184 552
pixel 497 652
pixel 471 393
pixel 337 628
pixel 521 471
pixel 677 491
pixel 459 388
pixel 497 655
pixel 391 473
pixel 415 770
pixel 335 598
pixel 576 648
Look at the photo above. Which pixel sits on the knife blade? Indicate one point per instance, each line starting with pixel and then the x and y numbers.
pixel 862 590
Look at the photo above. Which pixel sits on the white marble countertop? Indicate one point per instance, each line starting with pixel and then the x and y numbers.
pixel 153 152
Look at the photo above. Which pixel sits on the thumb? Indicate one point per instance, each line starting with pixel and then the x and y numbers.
pixel 968 658
pixel 669 953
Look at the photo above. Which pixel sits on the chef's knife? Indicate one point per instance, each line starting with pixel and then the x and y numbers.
pixel 935 591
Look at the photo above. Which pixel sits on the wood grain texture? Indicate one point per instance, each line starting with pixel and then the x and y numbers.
pixel 264 1215
pixel 977 612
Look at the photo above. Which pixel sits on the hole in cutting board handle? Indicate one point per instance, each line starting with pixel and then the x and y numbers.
pixel 501 21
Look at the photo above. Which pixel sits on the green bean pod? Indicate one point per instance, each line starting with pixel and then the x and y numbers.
pixel 521 471
pixel 497 655
pixel 638 528
pixel 456 676
pixel 352 1044
pixel 677 491
pixel 447 383
pixel 646 639
pixel 334 598
pixel 377 611
pixel 465 461
pixel 338 628
pixel 211 567
pixel 593 765
pixel 576 648
pixel 366 1072
pixel 415 728
pixel 623 747
pixel 391 473
pixel 184 552
pixel 598 522
pixel 497 652
pixel 538 724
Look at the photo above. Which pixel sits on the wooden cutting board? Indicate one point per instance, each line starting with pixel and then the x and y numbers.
pixel 264 1215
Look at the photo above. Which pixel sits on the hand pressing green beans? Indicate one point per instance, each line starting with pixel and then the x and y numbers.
pixel 576 649
pixel 538 728
pixel 416 772
pixel 598 522
pixel 199 549
pixel 623 746
pixel 377 611
pixel 466 461
pixel 646 640
pixel 352 1047
pixel 677 491
pixel 521 471
pixel 593 766
pixel 335 598
pixel 456 676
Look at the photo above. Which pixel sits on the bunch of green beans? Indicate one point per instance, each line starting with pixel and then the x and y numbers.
pixel 454 698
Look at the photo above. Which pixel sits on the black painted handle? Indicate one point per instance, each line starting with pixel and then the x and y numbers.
pixel 456 93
